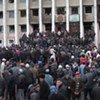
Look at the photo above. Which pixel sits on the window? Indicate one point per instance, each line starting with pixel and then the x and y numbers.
pixel 11 41
pixel 11 28
pixel 48 27
pixel 23 28
pixel 61 10
pixel 11 14
pixel 35 12
pixel 0 1
pixel 98 8
pixel 23 13
pixel 1 29
pixel 74 10
pixel 88 9
pixel 47 11
pixel 22 1
pixel 0 41
pixel 11 1
pixel 1 14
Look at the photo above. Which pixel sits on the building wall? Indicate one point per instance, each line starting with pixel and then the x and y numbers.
pixel 34 20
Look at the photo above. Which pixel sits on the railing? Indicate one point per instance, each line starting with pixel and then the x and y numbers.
pixel 46 18
pixel 88 17
pixel 34 19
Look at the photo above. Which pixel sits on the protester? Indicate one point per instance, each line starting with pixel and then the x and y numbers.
pixel 96 91
pixel 2 88
pixel 58 56
pixel 34 92
pixel 77 87
pixel 67 83
pixel 90 79
pixel 44 88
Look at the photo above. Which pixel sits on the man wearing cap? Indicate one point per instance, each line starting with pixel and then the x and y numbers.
pixel 76 87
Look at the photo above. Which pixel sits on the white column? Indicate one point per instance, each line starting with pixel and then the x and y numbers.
pixel 16 21
pixel 4 24
pixel 27 17
pixel 81 19
pixel 53 15
pixel 40 15
pixel 67 15
pixel 95 23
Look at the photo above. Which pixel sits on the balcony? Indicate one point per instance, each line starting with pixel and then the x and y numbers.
pixel 60 18
pixel 22 20
pixel 10 21
pixel 34 4
pixel 46 18
pixel 34 19
pixel 88 17
pixel 88 2
pixel 47 3
pixel 10 6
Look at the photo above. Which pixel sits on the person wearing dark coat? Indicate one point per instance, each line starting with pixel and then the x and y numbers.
pixel 2 88
pixel 61 88
pixel 96 92
pixel 11 85
pixel 77 87
pixel 67 82
pixel 34 92
pixel 44 88
pixel 56 97
pixel 90 79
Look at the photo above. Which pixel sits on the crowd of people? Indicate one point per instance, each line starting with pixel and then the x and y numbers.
pixel 51 66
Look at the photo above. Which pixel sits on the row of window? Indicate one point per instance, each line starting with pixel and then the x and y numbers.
pixel 22 1
pixel 11 13
pixel 11 28
pixel 10 41
pixel 12 1
pixel 60 10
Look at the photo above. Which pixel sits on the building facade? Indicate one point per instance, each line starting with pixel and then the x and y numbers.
pixel 24 16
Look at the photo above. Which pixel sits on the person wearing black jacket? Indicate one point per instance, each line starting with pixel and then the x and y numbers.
pixel 77 87
pixel 2 88
pixel 67 82
pixel 44 87
pixel 61 88
pixel 11 85
pixel 21 82
pixel 95 95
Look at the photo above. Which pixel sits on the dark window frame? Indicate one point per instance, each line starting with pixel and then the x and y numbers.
pixel 74 10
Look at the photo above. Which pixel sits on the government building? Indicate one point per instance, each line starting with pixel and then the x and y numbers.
pixel 18 17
